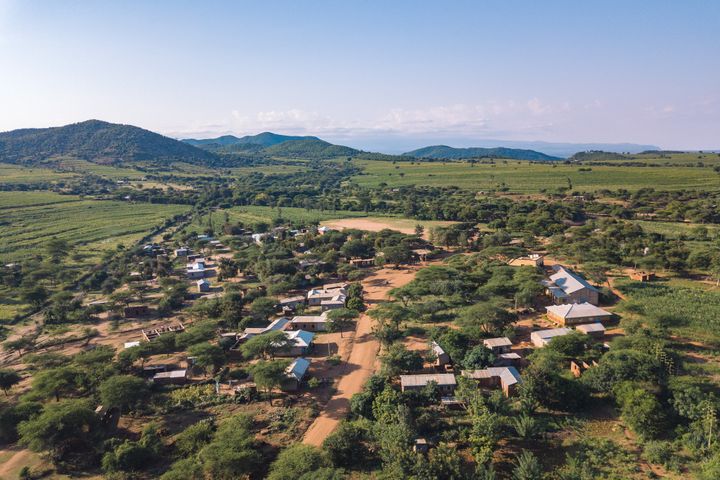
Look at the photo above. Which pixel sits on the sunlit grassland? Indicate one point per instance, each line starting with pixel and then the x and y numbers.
pixel 526 177
pixel 29 219
pixel 15 174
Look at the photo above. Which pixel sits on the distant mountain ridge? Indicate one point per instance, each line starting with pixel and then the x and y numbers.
pixel 99 142
pixel 273 144
pixel 439 152
pixel 264 139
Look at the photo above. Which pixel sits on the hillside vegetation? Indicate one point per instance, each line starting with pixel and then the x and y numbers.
pixel 96 141
pixel 451 153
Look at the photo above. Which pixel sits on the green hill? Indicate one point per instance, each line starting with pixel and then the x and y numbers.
pixel 98 142
pixel 443 152
pixel 248 143
pixel 309 148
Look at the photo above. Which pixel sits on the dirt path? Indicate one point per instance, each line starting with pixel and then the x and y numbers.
pixel 14 459
pixel 362 361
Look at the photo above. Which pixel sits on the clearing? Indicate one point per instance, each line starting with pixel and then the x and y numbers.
pixel 375 224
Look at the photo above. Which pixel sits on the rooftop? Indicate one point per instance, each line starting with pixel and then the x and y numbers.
pixel 298 368
pixel 497 342
pixel 578 310
pixel 568 281
pixel 552 332
pixel 420 380
pixel 591 328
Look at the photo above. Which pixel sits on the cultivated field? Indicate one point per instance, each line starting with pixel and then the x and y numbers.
pixel 13 174
pixel 375 224
pixel 525 177
pixel 29 219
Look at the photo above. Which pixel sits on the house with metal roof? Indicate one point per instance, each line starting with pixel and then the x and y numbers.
pixel 441 357
pixel 314 323
pixel 507 378
pixel 295 373
pixel 566 286
pixel 498 345
pixel 592 329
pixel 300 343
pixel 577 313
pixel 446 382
pixel 541 338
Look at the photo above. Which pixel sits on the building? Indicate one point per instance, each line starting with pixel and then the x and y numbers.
pixel 153 333
pixel 173 377
pixel 195 270
pixel 566 286
pixel 338 301
pixel 291 303
pixel 441 357
pixel 446 382
pixel 249 332
pixel 295 373
pixel 313 323
pixel 643 276
pixel 203 286
pixel 131 344
pixel 498 345
pixel 595 330
pixel 135 311
pixel 362 262
pixel 507 378
pixel 507 360
pixel 541 338
pixel 182 252
pixel 578 367
pixel 300 343
pixel 316 296
pixel 532 260
pixel 577 313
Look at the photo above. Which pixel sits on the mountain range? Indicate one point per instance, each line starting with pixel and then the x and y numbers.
pixel 108 143
pixel 450 153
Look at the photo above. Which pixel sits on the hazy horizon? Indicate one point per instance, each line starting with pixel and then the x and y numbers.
pixel 370 75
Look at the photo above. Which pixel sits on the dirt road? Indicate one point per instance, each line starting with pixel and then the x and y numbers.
pixel 362 361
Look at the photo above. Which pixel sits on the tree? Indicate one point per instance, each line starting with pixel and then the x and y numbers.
pixel 233 453
pixel 207 356
pixel 397 254
pixel 8 379
pixel 195 437
pixel 484 318
pixel 123 391
pixel 527 467
pixel 56 382
pixel 478 357
pixel 265 345
pixel 35 295
pixel 640 409
pixel 398 359
pixel 262 308
pixel 269 374
pixel 571 345
pixel 19 344
pixel 57 249
pixel 296 461
pixel 341 319
pixel 61 428
pixel 347 444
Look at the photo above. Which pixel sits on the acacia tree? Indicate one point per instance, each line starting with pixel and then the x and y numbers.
pixel 8 379
pixel 341 319
pixel 269 374
pixel 266 345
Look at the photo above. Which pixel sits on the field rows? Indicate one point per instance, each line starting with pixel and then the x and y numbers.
pixel 525 177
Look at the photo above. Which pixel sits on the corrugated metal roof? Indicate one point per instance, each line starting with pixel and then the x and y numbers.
pixel 420 380
pixel 569 281
pixel 577 310
pixel 497 342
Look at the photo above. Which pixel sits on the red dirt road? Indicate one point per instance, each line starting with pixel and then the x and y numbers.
pixel 362 361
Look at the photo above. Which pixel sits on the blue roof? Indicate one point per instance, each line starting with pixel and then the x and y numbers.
pixel 298 368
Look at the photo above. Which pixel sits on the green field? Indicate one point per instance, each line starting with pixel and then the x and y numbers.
pixel 29 219
pixel 675 229
pixel 14 174
pixel 525 177
pixel 688 158
pixel 257 214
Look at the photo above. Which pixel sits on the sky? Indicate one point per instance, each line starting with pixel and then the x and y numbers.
pixel 378 75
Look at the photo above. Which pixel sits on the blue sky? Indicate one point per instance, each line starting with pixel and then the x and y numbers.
pixel 372 74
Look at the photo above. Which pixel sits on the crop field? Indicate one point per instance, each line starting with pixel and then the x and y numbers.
pixel 675 229
pixel 14 174
pixel 706 158
pixel 525 177
pixel 257 214
pixel 29 219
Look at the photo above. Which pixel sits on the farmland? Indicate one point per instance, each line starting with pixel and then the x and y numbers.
pixel 525 177
pixel 14 175
pixel 29 219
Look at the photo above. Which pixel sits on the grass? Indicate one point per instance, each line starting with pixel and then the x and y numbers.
pixel 257 214
pixel 526 177
pixel 675 229
pixel 15 174
pixel 29 219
